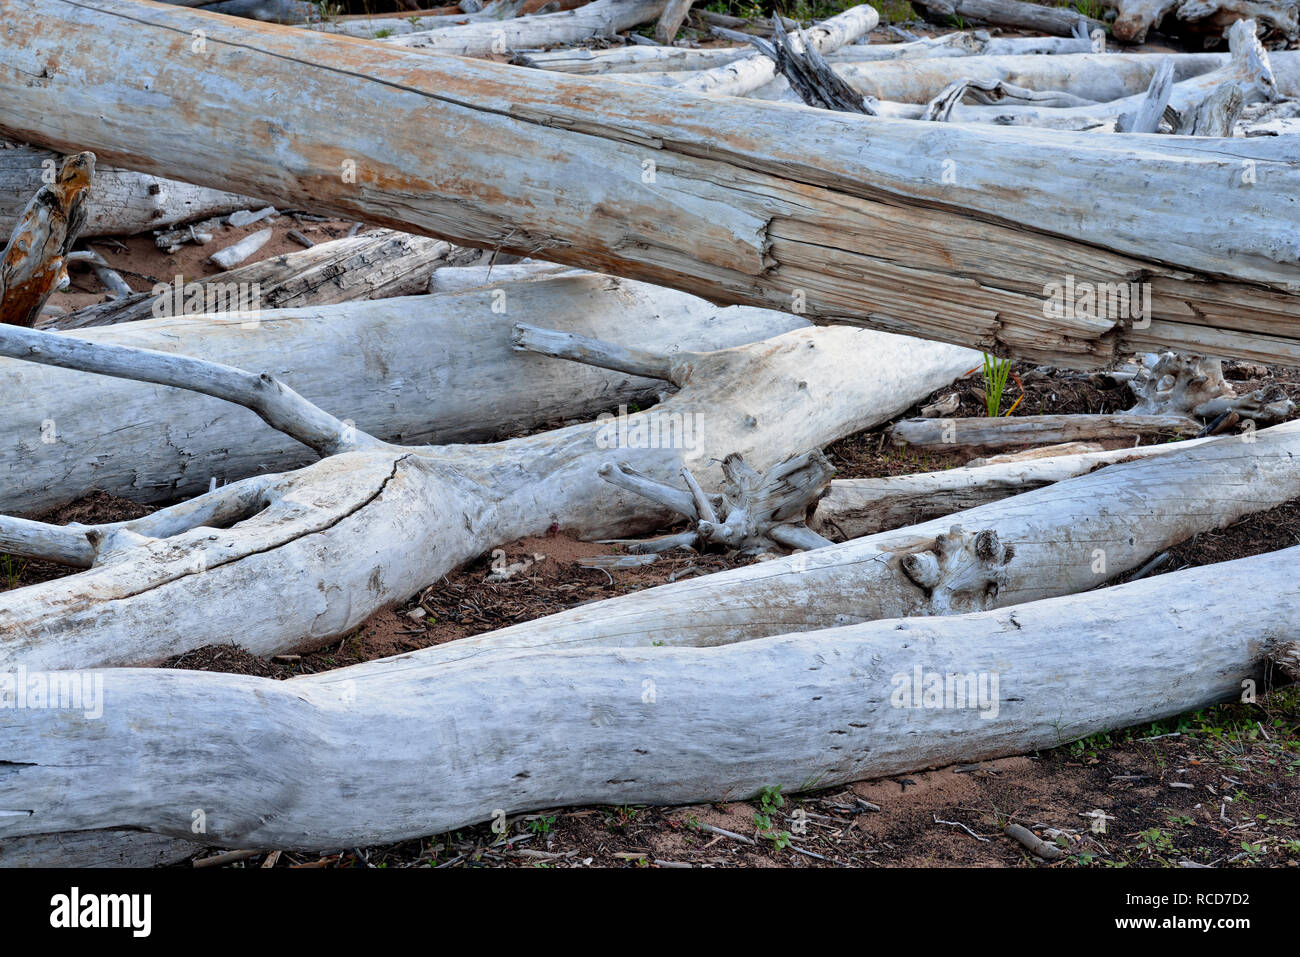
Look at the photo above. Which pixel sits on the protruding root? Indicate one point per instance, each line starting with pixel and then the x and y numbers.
pixel 1194 385
pixel 755 513
pixel 961 571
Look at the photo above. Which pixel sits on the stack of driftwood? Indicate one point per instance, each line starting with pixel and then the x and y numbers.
pixel 780 242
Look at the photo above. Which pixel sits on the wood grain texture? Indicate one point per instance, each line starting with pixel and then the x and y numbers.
pixel 748 202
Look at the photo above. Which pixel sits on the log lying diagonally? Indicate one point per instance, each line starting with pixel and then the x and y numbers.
pixel 427 369
pixel 903 226
pixel 1068 537
pixel 381 752
pixel 122 203
pixel 374 265
pixel 364 529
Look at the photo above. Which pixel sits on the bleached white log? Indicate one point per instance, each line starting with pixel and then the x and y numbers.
pixel 123 203
pixel 749 73
pixel 857 507
pixel 1071 536
pixel 632 59
pixel 374 265
pixel 600 18
pixel 1038 429
pixel 274 402
pixel 975 43
pixel 460 278
pixel 700 193
pixel 382 752
pixel 387 365
pixel 327 533
pixel 1095 76
pixel 236 253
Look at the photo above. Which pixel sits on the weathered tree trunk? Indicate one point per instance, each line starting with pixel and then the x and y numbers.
pixel 720 197
pixel 601 18
pixel 34 261
pixel 389 365
pixel 670 21
pixel 378 753
pixel 375 265
pixel 1102 77
pixel 856 507
pixel 1037 429
pixel 752 72
pixel 122 203
pixel 326 533
pixel 1013 13
pixel 977 43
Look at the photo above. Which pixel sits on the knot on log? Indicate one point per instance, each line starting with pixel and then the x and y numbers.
pixel 961 571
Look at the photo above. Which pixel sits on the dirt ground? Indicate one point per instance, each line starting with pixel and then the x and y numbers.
pixel 1218 787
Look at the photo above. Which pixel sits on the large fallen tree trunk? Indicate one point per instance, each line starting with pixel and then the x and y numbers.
pixel 122 203
pixel 375 265
pixel 384 752
pixel 386 365
pixel 326 533
pixel 720 197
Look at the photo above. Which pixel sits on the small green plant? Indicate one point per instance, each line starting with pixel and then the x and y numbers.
pixel 11 570
pixel 769 799
pixel 542 824
pixel 995 381
pixel 380 34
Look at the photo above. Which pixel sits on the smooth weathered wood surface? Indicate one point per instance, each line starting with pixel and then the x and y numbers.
pixel 328 533
pixel 383 752
pixel 420 369
pixel 747 202
pixel 122 203
pixel 978 432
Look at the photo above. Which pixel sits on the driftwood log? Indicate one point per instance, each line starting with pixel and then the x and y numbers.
pixel 698 193
pixel 327 532
pixel 381 752
pixel 122 203
pixel 387 365
pixel 375 265
pixel 1038 429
